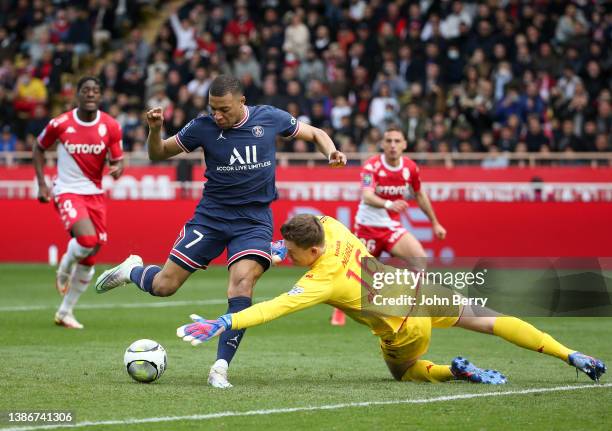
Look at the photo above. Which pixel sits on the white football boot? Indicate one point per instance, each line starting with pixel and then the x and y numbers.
pixel 67 320
pixel 118 275
pixel 217 377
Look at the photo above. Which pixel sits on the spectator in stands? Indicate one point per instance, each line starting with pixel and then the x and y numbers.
pixel 495 159
pixel 79 31
pixel 8 140
pixel 246 63
pixel 198 86
pixel 603 143
pixel 520 60
pixel 389 77
pixel 311 67
pixel 8 44
pixel 507 141
pixel 30 92
pixel 383 109
pixel 37 123
pixel 413 124
pixel 566 138
pixel 604 115
pixel 178 121
pixel 535 137
pixel 531 101
pixel 509 105
pixel 185 34
pixel 241 24
pixel 340 111
pixel 568 82
pixel 569 24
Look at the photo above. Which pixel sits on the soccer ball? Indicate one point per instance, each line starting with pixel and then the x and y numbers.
pixel 145 360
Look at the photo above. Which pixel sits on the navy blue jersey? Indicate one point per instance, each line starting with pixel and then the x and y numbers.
pixel 240 161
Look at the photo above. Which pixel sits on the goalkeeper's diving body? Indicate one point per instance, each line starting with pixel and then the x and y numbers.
pixel 333 255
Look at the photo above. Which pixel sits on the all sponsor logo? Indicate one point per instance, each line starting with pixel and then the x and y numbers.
pixel 250 155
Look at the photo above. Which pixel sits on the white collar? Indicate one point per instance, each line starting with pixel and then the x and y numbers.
pixel 389 167
pixel 85 123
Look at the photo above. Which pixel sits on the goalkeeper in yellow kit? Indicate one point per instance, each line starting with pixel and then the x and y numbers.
pixel 334 256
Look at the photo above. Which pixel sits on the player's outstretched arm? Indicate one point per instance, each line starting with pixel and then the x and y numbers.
pixel 159 149
pixel 324 144
pixel 425 205
pixel 298 298
pixel 38 159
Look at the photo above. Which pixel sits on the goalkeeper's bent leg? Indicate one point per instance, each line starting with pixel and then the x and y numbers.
pixel 427 371
pixel 525 335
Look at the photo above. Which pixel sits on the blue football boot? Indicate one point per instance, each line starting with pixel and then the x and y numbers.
pixel 592 367
pixel 463 369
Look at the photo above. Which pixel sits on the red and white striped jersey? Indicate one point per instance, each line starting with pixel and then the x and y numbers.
pixel 81 150
pixel 389 183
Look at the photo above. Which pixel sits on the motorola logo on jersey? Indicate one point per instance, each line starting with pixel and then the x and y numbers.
pixel 84 148
pixel 393 190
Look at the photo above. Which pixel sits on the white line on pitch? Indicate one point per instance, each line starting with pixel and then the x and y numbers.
pixel 207 416
pixel 103 306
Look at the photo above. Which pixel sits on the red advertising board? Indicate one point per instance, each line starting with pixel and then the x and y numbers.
pixel 148 228
pixel 492 213
pixel 579 174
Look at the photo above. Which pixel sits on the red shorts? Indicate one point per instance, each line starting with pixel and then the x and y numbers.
pixel 72 208
pixel 379 239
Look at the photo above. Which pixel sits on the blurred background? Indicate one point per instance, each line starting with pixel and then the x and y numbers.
pixel 506 105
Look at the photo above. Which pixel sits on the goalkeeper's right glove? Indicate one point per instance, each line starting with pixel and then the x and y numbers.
pixel 202 330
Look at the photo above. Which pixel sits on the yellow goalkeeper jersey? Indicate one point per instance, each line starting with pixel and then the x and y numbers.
pixel 334 279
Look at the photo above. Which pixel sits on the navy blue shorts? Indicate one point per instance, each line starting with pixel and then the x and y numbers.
pixel 246 232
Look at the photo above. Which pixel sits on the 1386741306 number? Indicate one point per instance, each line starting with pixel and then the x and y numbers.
pixel 47 416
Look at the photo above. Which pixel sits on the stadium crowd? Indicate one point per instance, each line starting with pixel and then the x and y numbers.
pixel 457 76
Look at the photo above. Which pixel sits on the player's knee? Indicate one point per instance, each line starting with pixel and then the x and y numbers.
pixel 398 371
pixel 87 241
pixel 397 375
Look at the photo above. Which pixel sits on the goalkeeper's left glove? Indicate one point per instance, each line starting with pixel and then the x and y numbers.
pixel 202 330
pixel 278 251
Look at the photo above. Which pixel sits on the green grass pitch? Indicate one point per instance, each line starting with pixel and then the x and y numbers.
pixel 297 361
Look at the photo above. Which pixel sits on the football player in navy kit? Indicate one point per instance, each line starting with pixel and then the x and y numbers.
pixel 239 144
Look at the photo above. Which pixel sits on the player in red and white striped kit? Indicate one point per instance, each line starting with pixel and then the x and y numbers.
pixel 387 180
pixel 86 136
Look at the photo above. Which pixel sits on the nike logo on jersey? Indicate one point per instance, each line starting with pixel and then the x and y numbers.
pixel 70 129
pixel 221 136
